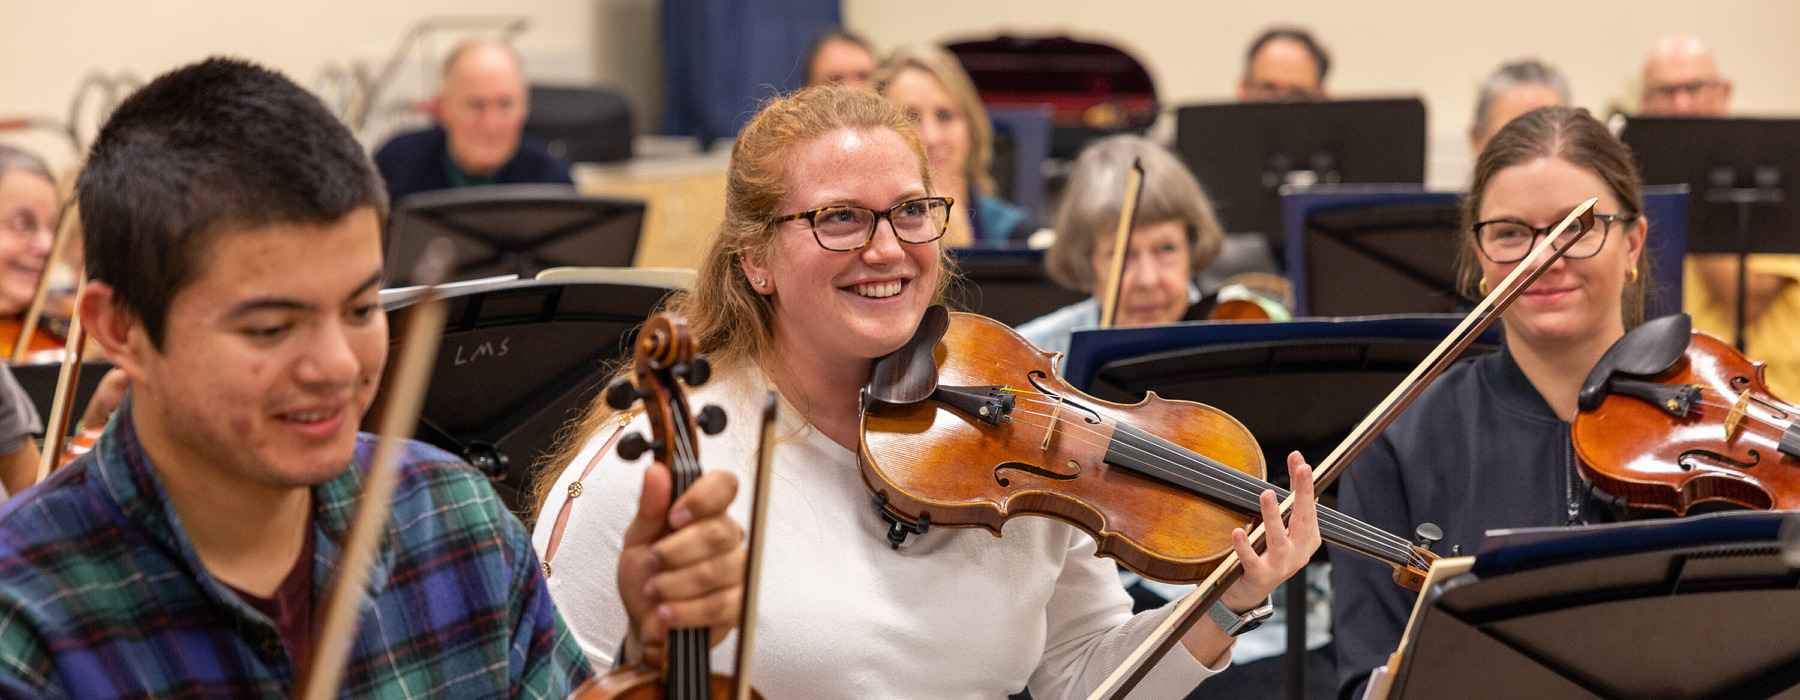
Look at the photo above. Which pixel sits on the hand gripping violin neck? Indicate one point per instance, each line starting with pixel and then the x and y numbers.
pixel 665 358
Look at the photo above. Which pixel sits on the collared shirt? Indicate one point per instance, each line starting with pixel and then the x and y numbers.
pixel 102 594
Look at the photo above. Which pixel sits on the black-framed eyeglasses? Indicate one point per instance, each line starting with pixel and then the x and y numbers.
pixel 1506 241
pixel 1670 91
pixel 849 227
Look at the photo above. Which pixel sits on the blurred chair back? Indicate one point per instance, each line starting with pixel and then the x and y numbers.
pixel 582 125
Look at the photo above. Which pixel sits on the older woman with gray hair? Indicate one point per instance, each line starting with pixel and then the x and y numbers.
pixel 1175 237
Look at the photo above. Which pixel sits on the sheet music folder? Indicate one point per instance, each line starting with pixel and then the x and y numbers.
pixel 1699 607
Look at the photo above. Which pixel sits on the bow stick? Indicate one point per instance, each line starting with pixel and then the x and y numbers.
pixel 399 415
pixel 1115 283
pixel 1166 635
pixel 759 510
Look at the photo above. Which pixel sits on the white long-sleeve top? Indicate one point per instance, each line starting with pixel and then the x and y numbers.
pixel 956 613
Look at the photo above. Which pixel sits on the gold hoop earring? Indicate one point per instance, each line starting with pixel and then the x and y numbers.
pixel 1631 277
pixel 1482 285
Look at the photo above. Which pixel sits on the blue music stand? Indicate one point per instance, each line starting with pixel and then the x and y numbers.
pixel 1368 249
pixel 1028 126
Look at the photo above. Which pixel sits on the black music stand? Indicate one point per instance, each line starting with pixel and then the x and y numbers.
pixel 1735 169
pixel 1008 284
pixel 1244 153
pixel 1301 385
pixel 514 229
pixel 39 380
pixel 1700 607
pixel 518 361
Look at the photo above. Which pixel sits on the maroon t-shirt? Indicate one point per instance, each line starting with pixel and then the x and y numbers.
pixel 291 606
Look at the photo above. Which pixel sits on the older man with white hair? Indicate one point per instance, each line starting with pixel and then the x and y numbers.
pixel 479 137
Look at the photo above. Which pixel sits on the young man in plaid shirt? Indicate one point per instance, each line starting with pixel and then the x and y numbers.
pixel 233 232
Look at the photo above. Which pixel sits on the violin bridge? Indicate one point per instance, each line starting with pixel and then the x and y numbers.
pixel 1055 417
pixel 1736 418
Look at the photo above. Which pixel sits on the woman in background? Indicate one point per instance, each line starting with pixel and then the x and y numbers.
pixel 1488 445
pixel 1176 236
pixel 931 86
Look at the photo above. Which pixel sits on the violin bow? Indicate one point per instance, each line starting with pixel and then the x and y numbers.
pixel 1188 610
pixel 62 406
pixel 759 507
pixel 399 415
pixel 1115 283
pixel 62 403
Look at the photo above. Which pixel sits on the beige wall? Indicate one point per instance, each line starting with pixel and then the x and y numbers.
pixel 1438 49
pixel 54 43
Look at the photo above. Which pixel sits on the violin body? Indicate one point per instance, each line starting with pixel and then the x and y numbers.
pixel 1722 438
pixel 41 346
pixel 931 462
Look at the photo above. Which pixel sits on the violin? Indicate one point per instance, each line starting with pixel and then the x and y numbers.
pixel 40 341
pixel 665 358
pixel 1671 417
pixel 1159 484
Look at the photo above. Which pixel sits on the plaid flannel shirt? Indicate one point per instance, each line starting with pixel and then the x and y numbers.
pixel 103 596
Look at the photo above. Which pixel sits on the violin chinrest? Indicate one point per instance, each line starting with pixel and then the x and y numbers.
pixel 1647 350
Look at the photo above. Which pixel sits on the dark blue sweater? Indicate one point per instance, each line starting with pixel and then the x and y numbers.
pixel 416 162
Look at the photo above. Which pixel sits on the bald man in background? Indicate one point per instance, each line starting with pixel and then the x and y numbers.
pixel 1284 64
pixel 1681 78
pixel 479 137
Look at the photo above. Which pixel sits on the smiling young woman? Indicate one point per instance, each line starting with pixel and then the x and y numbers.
pixel 828 257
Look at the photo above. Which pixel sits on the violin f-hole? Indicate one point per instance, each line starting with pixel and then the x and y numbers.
pixel 1034 469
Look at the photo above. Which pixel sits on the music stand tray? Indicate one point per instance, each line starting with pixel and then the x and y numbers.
pixel 514 229
pixel 1243 153
pixel 1700 607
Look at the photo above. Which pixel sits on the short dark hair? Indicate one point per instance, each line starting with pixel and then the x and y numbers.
pixel 1305 38
pixel 218 147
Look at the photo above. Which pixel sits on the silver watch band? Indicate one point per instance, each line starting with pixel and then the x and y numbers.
pixel 1234 624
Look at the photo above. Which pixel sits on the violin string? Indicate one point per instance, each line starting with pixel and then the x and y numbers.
pixel 1249 489
pixel 686 644
pixel 1230 483
pixel 1763 420
pixel 1396 548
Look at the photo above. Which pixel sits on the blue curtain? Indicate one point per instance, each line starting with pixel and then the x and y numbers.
pixel 722 57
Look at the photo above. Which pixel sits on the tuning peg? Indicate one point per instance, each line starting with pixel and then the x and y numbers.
pixel 621 394
pixel 697 371
pixel 712 420
pixel 634 445
pixel 1427 534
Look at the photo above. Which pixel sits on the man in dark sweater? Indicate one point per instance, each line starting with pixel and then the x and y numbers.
pixel 479 138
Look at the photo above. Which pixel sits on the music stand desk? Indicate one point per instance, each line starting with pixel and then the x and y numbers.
pixel 514 229
pixel 1699 607
pixel 519 360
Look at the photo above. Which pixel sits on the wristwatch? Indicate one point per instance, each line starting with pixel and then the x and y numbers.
pixel 1235 624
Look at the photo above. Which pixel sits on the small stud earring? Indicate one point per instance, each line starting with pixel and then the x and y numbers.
pixel 760 283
